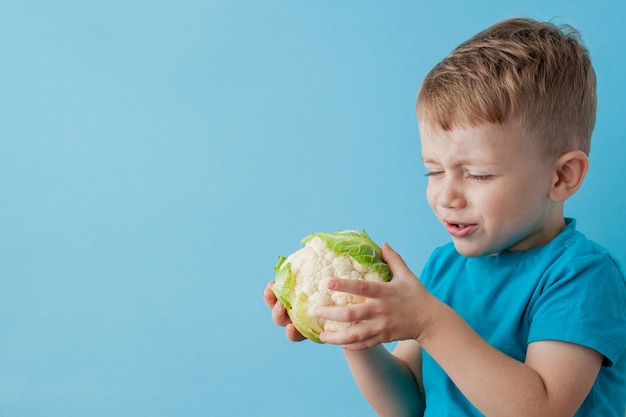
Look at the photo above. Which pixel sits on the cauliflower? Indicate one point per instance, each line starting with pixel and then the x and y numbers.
pixel 302 278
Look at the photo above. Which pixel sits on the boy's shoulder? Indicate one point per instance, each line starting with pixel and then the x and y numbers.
pixel 573 246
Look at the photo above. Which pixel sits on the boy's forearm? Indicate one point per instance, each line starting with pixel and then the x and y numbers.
pixel 386 382
pixel 495 383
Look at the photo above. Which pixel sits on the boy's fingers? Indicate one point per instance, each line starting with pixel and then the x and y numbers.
pixel 269 297
pixel 372 289
pixel 357 287
pixel 350 313
pixel 293 334
pixel 335 313
pixel 279 314
pixel 394 260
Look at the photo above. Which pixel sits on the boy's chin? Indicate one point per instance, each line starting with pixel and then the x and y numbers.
pixel 472 251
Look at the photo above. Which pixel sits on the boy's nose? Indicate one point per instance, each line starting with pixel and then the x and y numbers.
pixel 451 195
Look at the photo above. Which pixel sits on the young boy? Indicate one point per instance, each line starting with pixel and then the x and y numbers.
pixel 520 315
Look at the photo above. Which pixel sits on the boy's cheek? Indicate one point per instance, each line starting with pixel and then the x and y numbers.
pixel 431 197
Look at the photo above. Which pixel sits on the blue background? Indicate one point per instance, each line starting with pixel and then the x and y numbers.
pixel 157 156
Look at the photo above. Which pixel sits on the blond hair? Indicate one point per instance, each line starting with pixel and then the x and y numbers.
pixel 523 69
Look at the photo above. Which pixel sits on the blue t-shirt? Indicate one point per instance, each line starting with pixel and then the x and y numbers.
pixel 570 290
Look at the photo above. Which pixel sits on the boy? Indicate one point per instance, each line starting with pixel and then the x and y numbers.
pixel 520 315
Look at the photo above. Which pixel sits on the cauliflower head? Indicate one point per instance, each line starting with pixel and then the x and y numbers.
pixel 302 278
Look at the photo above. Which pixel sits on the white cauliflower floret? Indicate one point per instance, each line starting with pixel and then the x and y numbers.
pixel 311 269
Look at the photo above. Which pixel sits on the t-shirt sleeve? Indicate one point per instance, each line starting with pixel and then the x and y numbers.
pixel 583 302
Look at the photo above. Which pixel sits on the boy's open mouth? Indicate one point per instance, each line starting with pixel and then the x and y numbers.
pixel 458 225
pixel 460 229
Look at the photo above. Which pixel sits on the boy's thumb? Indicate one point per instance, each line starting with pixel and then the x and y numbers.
pixel 394 260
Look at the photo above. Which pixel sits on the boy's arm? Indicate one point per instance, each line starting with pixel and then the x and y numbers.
pixel 390 383
pixel 554 380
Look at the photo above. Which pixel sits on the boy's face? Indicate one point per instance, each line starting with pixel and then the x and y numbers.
pixel 490 188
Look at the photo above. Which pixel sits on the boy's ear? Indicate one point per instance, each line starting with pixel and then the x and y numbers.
pixel 570 171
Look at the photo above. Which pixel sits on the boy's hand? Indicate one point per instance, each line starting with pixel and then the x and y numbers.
pixel 279 315
pixel 389 313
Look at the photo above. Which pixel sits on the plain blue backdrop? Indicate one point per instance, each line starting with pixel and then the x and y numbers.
pixel 157 156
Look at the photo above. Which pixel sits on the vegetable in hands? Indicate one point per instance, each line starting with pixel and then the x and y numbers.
pixel 302 278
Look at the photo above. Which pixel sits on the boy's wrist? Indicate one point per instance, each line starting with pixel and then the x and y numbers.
pixel 431 317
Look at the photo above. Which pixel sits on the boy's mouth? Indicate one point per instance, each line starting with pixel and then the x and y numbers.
pixel 457 225
pixel 460 229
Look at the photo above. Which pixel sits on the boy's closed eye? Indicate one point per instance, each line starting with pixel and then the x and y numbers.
pixel 469 176
pixel 434 173
pixel 478 177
